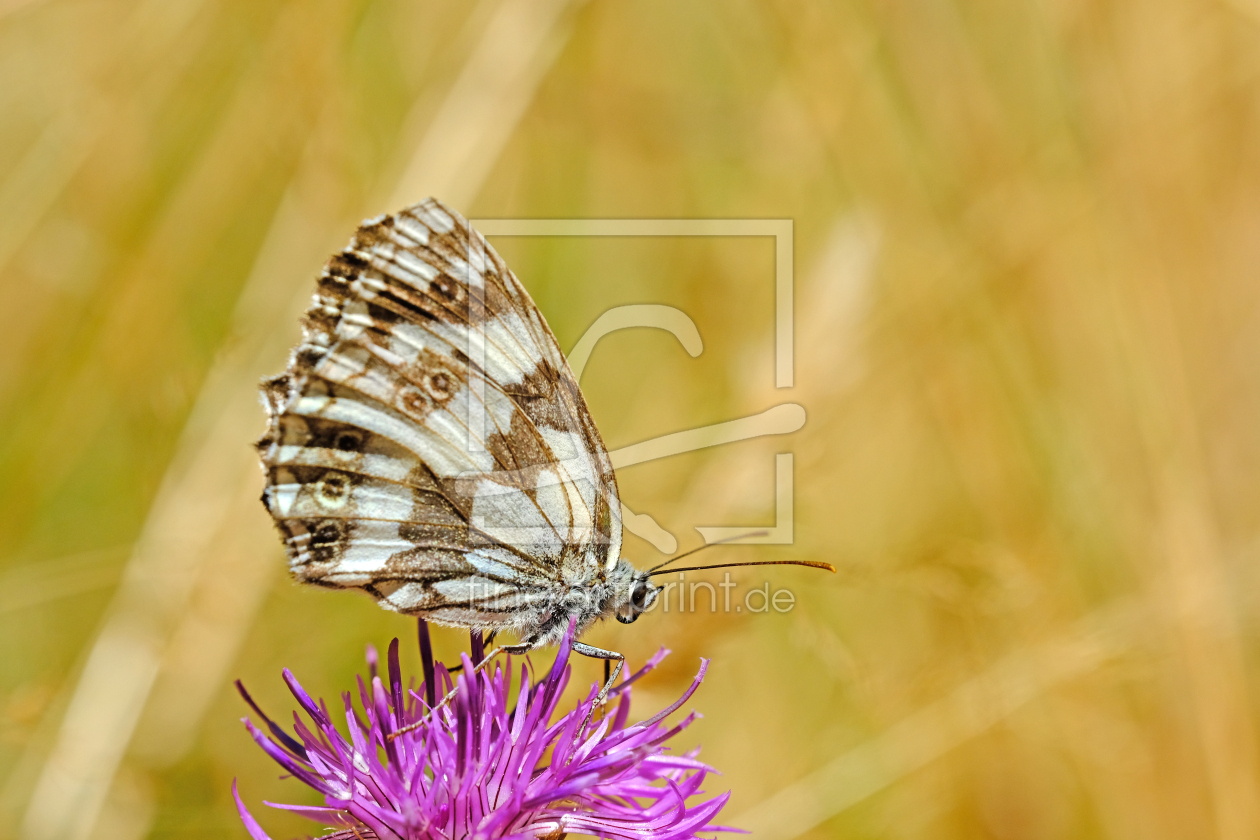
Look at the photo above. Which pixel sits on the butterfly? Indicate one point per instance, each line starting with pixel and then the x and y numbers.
pixel 429 445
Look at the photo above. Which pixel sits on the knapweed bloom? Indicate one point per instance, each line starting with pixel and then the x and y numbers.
pixel 482 767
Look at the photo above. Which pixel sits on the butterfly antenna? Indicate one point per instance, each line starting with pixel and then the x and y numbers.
pixel 655 569
pixel 813 564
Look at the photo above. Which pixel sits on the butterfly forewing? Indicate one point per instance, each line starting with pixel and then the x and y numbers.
pixel 428 442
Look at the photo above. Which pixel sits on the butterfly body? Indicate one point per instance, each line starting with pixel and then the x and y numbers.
pixel 429 445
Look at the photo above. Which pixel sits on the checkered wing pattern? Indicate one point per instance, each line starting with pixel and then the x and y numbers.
pixel 428 442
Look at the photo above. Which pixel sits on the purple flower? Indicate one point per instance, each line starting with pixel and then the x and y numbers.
pixel 480 768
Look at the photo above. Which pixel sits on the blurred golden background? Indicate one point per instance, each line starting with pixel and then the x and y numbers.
pixel 1027 245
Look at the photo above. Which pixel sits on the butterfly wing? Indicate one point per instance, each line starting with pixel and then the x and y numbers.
pixel 428 442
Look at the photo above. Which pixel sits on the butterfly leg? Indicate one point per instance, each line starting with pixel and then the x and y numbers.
pixel 512 650
pixel 608 656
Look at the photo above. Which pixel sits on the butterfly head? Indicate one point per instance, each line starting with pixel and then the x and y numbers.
pixel 631 592
pixel 639 594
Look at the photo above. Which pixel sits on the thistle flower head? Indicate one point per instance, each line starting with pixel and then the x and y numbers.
pixel 482 769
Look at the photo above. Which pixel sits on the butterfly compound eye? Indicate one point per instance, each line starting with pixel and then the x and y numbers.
pixel 643 596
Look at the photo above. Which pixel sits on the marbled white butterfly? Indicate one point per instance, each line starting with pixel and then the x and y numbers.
pixel 429 445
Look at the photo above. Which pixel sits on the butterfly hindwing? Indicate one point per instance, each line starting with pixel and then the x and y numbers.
pixel 428 442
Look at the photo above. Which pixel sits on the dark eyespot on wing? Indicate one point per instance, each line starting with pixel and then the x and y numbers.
pixel 314 542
